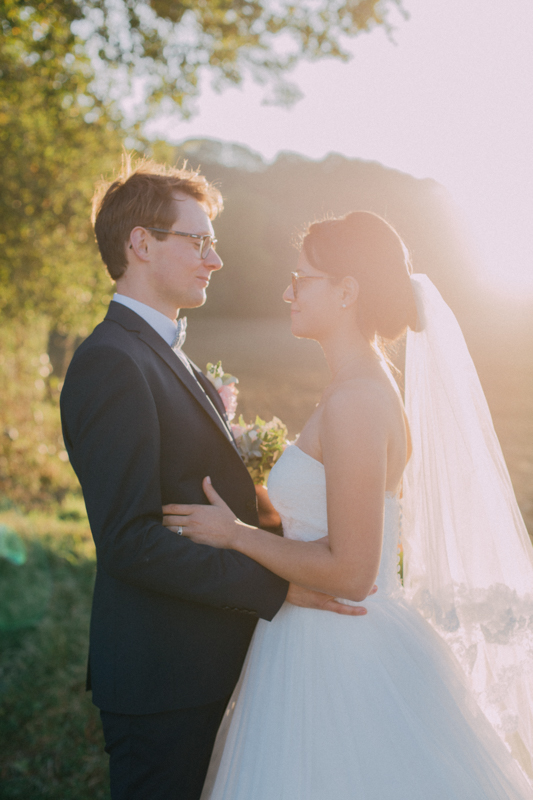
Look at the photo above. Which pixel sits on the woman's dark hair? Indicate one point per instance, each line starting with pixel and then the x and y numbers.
pixel 365 246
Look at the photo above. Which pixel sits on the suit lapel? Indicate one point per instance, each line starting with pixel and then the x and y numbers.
pixel 210 391
pixel 133 322
pixel 179 369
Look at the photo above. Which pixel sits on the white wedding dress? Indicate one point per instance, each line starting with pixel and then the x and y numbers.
pixel 333 707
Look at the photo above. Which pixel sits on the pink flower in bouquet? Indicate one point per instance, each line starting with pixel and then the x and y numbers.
pixel 229 393
pixel 238 430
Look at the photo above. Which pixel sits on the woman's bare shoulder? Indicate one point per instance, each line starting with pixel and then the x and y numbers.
pixel 356 414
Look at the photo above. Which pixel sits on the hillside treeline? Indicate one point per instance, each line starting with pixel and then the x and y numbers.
pixel 267 207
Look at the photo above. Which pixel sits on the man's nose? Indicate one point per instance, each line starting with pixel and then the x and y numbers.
pixel 213 260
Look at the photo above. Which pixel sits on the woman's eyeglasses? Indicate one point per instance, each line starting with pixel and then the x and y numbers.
pixel 207 241
pixel 295 278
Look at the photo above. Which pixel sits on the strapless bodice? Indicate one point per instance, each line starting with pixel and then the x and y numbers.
pixel 297 488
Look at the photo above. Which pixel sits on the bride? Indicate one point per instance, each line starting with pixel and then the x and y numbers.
pixel 383 708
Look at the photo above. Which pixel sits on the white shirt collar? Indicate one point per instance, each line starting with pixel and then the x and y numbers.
pixel 163 325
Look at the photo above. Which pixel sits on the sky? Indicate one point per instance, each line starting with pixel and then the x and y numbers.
pixel 450 99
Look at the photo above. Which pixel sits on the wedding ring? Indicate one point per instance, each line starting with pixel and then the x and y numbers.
pixel 180 530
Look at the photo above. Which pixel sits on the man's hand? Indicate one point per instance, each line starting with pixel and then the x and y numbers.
pixel 307 598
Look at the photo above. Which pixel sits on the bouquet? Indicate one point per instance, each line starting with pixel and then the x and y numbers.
pixel 260 443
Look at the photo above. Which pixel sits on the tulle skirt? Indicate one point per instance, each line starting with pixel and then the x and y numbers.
pixel 333 707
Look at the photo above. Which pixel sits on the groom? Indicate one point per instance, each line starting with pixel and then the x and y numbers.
pixel 171 620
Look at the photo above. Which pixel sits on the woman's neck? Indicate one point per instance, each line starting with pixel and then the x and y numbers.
pixel 348 354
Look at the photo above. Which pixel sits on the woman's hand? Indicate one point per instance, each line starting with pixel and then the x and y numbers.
pixel 215 525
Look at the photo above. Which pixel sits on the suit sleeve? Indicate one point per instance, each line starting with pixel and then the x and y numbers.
pixel 112 435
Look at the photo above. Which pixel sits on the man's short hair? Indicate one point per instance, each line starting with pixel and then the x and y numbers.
pixel 142 194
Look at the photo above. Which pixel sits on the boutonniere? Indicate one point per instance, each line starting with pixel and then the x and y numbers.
pixel 260 443
pixel 225 384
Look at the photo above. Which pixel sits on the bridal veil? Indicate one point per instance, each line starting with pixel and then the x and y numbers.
pixel 468 560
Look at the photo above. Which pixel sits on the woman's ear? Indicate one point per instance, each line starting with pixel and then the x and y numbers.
pixel 349 291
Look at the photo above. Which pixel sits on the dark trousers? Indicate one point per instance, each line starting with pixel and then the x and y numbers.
pixel 161 756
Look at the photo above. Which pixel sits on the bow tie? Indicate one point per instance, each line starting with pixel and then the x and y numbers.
pixel 179 339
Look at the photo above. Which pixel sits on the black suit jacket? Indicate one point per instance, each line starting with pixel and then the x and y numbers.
pixel 171 620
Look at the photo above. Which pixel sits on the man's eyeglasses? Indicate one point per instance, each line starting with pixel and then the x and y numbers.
pixel 295 278
pixel 206 240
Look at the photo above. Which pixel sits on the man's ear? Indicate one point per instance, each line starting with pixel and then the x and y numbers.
pixel 350 291
pixel 139 243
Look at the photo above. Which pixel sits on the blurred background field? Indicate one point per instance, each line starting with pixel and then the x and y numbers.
pixel 282 376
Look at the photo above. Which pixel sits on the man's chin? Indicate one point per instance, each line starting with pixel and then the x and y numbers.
pixel 194 302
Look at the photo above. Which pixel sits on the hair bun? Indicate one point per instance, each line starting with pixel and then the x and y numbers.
pixel 363 245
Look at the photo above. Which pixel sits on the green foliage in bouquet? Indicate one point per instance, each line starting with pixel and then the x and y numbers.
pixel 260 444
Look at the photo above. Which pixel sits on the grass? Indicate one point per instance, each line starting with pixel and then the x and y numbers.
pixel 50 739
